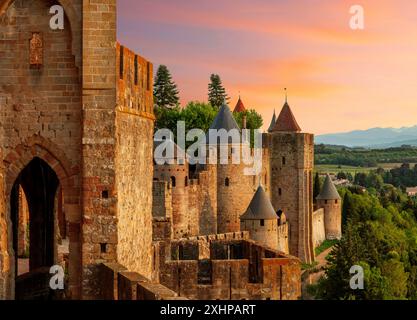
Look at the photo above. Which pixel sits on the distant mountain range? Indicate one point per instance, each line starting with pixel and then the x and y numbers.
pixel 372 138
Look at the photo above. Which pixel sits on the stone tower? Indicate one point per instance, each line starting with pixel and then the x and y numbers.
pixel 176 173
pixel 234 188
pixel 291 164
pixel 77 111
pixel 261 220
pixel 329 199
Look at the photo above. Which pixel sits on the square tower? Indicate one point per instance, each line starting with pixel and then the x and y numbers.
pixel 291 165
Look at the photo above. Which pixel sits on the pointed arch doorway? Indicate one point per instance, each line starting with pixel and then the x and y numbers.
pixel 36 192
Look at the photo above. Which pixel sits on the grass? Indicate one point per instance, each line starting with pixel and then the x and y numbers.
pixel 334 168
pixel 324 246
pixel 309 266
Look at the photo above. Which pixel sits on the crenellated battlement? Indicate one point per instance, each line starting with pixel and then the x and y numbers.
pixel 208 268
pixel 134 82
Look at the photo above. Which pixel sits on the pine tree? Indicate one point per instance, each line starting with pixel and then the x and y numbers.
pixel 217 94
pixel 165 89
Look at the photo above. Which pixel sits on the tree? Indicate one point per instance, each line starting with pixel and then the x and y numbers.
pixel 360 179
pixel 165 89
pixel 374 180
pixel 380 239
pixel 341 175
pixel 253 121
pixel 198 115
pixel 348 212
pixel 317 186
pixel 217 93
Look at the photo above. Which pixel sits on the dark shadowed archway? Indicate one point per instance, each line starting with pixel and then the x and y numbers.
pixel 40 184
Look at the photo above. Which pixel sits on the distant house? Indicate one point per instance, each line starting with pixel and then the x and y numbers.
pixel 342 183
pixel 412 192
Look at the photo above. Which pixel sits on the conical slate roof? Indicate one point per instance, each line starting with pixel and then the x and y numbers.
pixel 286 121
pixel 273 123
pixel 240 107
pixel 329 191
pixel 224 120
pixel 260 207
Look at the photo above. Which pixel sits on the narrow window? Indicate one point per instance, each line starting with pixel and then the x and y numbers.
pixel 227 182
pixel 284 161
pixel 122 49
pixel 336 201
pixel 186 181
pixel 280 191
pixel 262 223
pixel 173 182
pixel 325 201
pixel 105 194
pixel 103 247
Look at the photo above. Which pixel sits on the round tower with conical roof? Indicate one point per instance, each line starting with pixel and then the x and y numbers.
pixel 234 188
pixel 329 199
pixel 176 173
pixel 261 220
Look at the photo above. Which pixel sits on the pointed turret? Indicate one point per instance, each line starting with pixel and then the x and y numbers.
pixel 290 153
pixel 240 107
pixel 329 201
pixel 286 121
pixel 329 191
pixel 260 207
pixel 224 119
pixel 261 220
pixel 273 122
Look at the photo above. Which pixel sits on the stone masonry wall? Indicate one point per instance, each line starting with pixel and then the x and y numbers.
pixel 161 211
pixel 283 238
pixel 162 200
pixel 332 218
pixel 99 229
pixel 236 270
pixel 134 162
pixel 266 234
pixel 134 189
pixel 193 201
pixel 291 161
pixel 319 234
pixel 234 192
pixel 177 176
pixel 41 110
pixel 203 203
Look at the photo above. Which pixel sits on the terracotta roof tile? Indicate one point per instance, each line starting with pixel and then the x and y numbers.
pixel 286 121
pixel 240 107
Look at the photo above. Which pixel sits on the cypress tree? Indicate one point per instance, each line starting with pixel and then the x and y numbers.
pixel 316 187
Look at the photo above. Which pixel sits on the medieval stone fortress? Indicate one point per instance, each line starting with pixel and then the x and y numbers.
pixel 77 175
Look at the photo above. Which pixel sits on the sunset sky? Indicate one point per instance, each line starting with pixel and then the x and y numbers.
pixel 338 79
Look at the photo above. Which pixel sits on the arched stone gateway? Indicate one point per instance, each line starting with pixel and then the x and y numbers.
pixel 39 184
pixel 37 172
